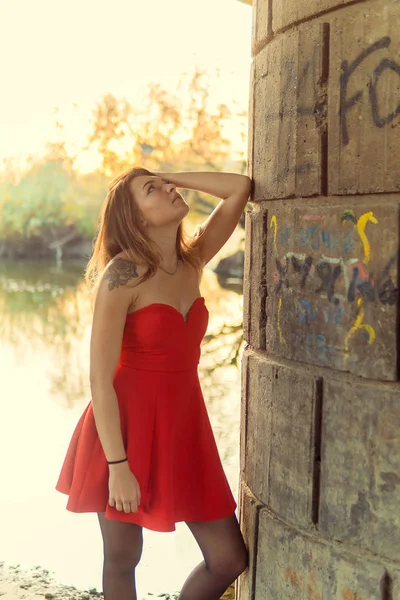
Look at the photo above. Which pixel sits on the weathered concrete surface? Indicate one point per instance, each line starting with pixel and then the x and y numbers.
pixel 249 508
pixel 350 57
pixel 292 454
pixel 286 13
pixel 256 441
pixel 262 23
pixel 360 476
pixel 320 442
pixel 279 440
pixel 298 567
pixel 289 104
pixel 332 280
pixel 255 289
pixel 364 100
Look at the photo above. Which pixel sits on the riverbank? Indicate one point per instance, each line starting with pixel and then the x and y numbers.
pixel 17 583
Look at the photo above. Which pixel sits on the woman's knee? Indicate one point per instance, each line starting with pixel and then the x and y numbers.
pixel 122 545
pixel 240 562
pixel 231 564
pixel 243 561
pixel 122 559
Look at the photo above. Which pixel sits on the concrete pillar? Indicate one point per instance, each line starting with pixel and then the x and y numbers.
pixel 320 460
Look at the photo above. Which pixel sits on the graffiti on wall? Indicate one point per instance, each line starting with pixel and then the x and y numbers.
pixel 316 269
pixel 379 119
pixel 308 101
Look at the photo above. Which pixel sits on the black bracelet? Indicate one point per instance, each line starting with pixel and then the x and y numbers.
pixel 115 462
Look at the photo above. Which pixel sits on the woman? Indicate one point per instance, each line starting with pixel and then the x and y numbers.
pixel 143 452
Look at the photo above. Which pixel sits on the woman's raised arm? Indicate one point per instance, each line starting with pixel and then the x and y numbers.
pixel 232 188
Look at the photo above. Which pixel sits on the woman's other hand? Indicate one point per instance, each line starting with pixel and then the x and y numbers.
pixel 124 490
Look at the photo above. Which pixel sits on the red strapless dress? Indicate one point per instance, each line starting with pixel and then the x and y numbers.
pixel 165 427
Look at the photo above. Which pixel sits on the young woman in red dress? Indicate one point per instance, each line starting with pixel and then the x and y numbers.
pixel 143 452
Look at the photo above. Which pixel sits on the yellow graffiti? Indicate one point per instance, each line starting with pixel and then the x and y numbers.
pixel 279 322
pixel 359 325
pixel 361 224
pixel 273 223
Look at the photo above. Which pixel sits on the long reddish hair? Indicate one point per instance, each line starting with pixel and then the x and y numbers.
pixel 119 229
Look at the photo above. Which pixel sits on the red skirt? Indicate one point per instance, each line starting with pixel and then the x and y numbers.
pixel 170 447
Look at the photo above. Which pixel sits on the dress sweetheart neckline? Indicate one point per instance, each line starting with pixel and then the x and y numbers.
pixel 185 320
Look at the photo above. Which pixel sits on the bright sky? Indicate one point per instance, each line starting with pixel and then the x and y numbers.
pixel 58 52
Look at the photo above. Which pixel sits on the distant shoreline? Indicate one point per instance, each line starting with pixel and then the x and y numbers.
pixel 36 249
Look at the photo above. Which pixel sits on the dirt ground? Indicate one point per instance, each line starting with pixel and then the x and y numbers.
pixel 19 584
pixel 37 583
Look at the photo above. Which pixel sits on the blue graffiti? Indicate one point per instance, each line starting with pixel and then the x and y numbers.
pixel 332 315
pixel 348 241
pixel 318 344
pixel 307 316
pixel 284 235
pixel 326 238
pixel 316 238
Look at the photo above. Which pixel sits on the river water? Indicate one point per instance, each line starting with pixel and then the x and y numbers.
pixel 45 321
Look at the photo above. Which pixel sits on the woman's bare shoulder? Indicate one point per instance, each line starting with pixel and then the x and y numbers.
pixel 122 270
pixel 116 291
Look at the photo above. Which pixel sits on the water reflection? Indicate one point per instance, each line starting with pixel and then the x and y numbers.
pixel 45 321
pixel 46 307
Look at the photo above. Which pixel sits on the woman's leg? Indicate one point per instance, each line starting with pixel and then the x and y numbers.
pixel 225 558
pixel 122 544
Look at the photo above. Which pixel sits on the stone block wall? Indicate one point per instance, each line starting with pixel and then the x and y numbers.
pixel 320 439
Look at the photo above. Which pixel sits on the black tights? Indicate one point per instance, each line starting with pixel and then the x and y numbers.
pixel 122 547
pixel 221 543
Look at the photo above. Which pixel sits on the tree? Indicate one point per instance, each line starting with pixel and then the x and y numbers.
pixel 179 130
pixel 111 123
pixel 51 203
pixel 34 205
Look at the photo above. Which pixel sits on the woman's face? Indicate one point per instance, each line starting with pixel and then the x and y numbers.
pixel 158 201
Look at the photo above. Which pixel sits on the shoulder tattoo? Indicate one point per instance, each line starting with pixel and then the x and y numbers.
pixel 120 272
